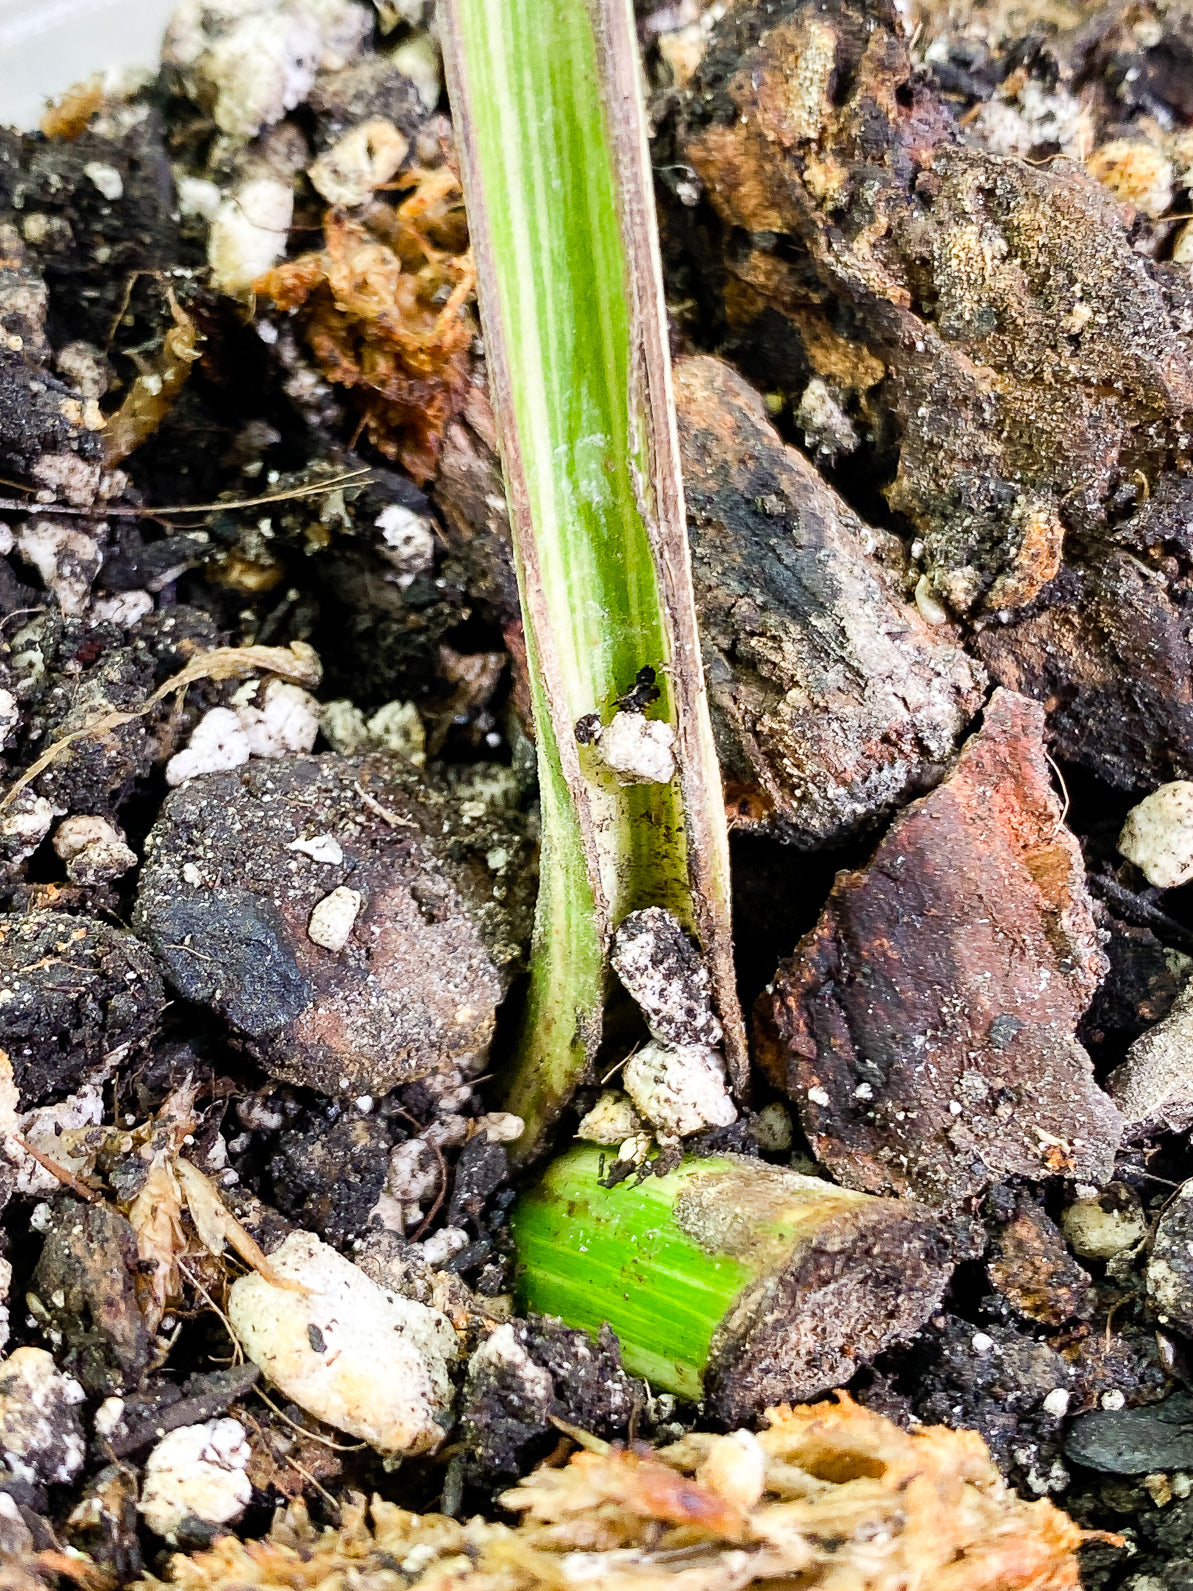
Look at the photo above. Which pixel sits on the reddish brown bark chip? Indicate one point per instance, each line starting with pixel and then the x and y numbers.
pixel 1033 1270
pixel 925 1026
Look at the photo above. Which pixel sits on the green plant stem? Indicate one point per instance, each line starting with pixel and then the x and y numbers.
pixel 728 1278
pixel 549 118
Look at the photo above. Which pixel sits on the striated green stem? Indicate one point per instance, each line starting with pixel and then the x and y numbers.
pixel 548 110
pixel 729 1279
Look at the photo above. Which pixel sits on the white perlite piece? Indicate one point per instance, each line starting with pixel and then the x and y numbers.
pixel 25 825
pixel 322 848
pixel 349 1352
pixel 407 541
pixel 365 157
pixel 93 849
pixel 106 178
pixel 253 60
pixel 287 721
pixel 1158 835
pixel 638 749
pixel 398 729
pixel 679 1089
pixel 196 1472
pixel 333 919
pixel 41 1436
pixel 1154 1086
pixel 5 1284
pixel 66 559
pixel 218 741
pixel 611 1120
pixel 418 59
pixel 123 608
pixel 10 716
pixel 248 232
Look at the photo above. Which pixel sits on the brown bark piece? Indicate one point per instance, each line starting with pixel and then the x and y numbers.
pixel 831 696
pixel 1109 653
pixel 925 1026
pixel 1034 1271
pixel 1034 360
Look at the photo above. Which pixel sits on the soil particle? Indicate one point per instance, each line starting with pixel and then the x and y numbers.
pixel 225 901
pixel 1031 1267
pixel 666 976
pixel 329 1180
pixel 74 671
pixel 525 1372
pixel 989 319
pixel 997 1381
pixel 831 697
pixel 925 1027
pixel 481 1171
pixel 86 1299
pixel 77 996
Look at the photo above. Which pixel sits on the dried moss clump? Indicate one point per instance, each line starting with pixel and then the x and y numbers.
pixel 832 1493
pixel 386 313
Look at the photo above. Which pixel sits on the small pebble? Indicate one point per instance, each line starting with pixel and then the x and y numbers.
pixel 323 848
pixel 679 1089
pixel 1158 835
pixel 611 1120
pixel 383 1375
pixel 332 920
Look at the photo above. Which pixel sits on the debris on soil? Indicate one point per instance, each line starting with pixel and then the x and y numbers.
pixel 845 1498
pixel 925 1028
pixel 832 699
pixel 386 314
pixel 438 921
pixel 80 997
pixel 355 1356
